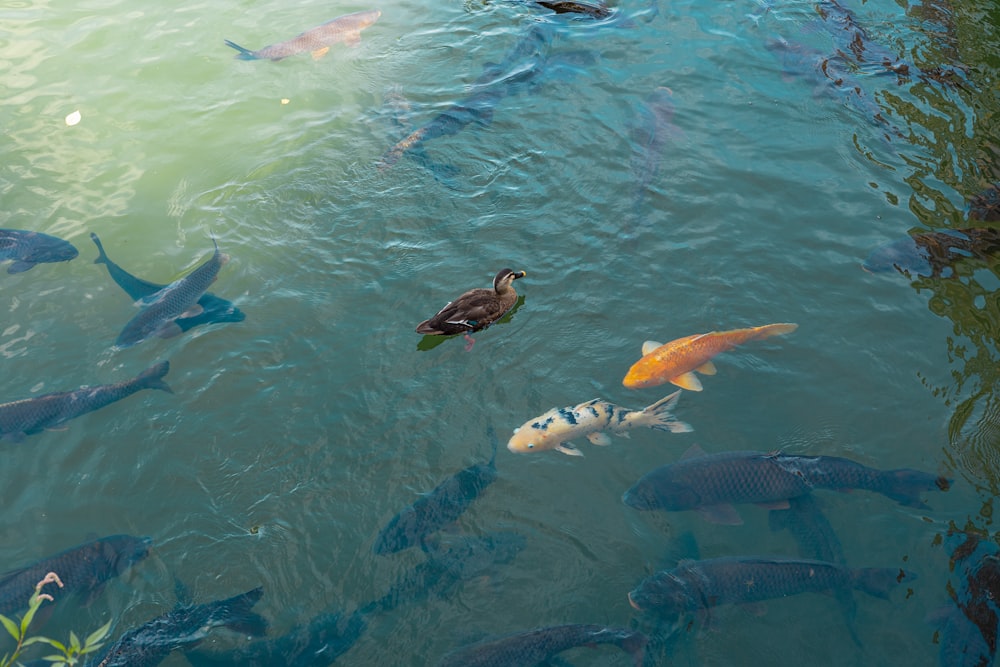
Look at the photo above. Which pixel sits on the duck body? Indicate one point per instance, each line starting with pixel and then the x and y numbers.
pixel 476 309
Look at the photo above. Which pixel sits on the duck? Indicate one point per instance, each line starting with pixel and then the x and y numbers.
pixel 474 310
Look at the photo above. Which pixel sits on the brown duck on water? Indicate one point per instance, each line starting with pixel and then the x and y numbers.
pixel 474 310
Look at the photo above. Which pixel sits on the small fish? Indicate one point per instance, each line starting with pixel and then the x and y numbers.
pixel 697 586
pixel 83 569
pixel 50 411
pixel 934 254
pixel 711 483
pixel 150 643
pixel 28 248
pixel 161 310
pixel 435 510
pixel 535 647
pixel 592 420
pixel 318 40
pixel 447 566
pixel 676 361
pixel 213 308
pixel 315 644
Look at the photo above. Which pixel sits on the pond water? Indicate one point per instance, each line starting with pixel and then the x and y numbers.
pixel 786 150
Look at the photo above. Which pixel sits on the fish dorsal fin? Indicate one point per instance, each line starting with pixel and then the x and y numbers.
pixel 687 381
pixel 693 452
pixel 707 368
pixel 568 449
pixel 649 346
pixel 587 404
pixel 319 53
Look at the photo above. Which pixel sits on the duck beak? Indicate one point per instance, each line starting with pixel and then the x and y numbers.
pixel 519 274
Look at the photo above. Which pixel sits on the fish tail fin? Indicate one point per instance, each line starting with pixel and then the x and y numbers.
pixel 152 377
pixel 905 486
pixel 235 614
pixel 879 581
pixel 779 329
pixel 102 257
pixel 244 54
pixel 659 415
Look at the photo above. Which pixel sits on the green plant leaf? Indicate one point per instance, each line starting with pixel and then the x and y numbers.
pixel 74 642
pixel 98 635
pixel 11 627
pixel 91 648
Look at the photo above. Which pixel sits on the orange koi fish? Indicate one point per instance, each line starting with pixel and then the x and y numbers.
pixel 676 361
pixel 346 29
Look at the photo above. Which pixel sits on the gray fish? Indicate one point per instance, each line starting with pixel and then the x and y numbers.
pixel 449 565
pixel 83 570
pixel 435 510
pixel 213 308
pixel 28 248
pixel 970 624
pixel 315 644
pixel 651 134
pixel 697 586
pixel 161 310
pixel 318 40
pixel 934 254
pixel 810 528
pixel 521 66
pixel 150 643
pixel 712 483
pixel 50 411
pixel 535 647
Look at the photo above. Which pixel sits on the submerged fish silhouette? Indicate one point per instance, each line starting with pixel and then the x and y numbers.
pixel 213 308
pixel 150 643
pixel 438 508
pixel 318 40
pixel 28 248
pixel 651 133
pixel 934 254
pixel 83 570
pixel 969 625
pixel 535 647
pixel 50 411
pixel 161 310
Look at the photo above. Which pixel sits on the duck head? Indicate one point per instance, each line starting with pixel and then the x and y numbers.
pixel 503 279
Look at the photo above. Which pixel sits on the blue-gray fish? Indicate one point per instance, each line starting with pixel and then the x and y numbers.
pixel 435 510
pixel 161 310
pixel 150 643
pixel 213 308
pixel 318 40
pixel 50 411
pixel 810 528
pixel 697 586
pixel 83 570
pixel 934 254
pixel 535 647
pixel 970 624
pixel 712 483
pixel 317 643
pixel 448 565
pixel 28 248
pixel 520 67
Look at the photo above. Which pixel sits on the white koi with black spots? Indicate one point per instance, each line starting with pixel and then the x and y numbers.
pixel 592 420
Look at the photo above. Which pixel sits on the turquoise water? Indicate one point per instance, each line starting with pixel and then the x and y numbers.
pixel 295 435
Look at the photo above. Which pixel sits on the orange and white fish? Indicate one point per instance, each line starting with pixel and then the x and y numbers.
pixel 676 361
pixel 346 29
pixel 556 427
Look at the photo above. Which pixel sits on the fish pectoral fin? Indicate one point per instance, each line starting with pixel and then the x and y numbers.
pixel 693 452
pixel 599 439
pixel 707 368
pixel 775 504
pixel 568 449
pixel 723 513
pixel 194 310
pixel 57 427
pixel 19 266
pixel 353 39
pixel 649 346
pixel 168 330
pixel 687 381
pixel 319 53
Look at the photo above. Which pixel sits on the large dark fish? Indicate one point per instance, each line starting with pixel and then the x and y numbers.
pixel 315 644
pixel 83 570
pixel 34 415
pixel 437 509
pixel 712 483
pixel 28 248
pixel 810 528
pixel 160 310
pixel 535 647
pixel 318 40
pixel 969 626
pixel 934 254
pixel 695 586
pixel 449 565
pixel 521 66
pixel 213 308
pixel 150 643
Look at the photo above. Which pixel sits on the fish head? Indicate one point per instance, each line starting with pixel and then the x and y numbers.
pixel 539 434
pixel 43 249
pixel 664 594
pixel 661 494
pixel 121 552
